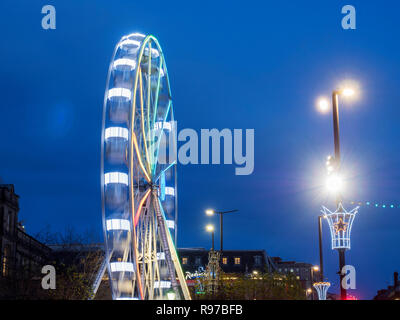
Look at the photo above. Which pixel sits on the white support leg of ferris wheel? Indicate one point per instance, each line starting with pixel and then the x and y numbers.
pixel 171 256
pixel 99 277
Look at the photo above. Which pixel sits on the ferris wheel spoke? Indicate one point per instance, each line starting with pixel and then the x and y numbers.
pixel 170 166
pixel 160 71
pixel 140 207
pixel 149 132
pixel 146 152
pixel 139 158
pixel 160 136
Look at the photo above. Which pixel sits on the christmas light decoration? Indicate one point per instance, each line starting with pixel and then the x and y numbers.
pixel 322 289
pixel 340 223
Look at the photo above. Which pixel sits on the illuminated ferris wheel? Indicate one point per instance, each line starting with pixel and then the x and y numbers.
pixel 138 174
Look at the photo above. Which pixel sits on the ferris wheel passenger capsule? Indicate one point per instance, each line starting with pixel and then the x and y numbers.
pixel 116 189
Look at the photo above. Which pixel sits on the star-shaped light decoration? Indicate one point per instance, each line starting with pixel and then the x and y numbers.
pixel 340 226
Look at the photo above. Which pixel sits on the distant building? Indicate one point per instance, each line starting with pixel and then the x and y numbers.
pixel 392 292
pixel 233 261
pixel 21 255
pixel 301 270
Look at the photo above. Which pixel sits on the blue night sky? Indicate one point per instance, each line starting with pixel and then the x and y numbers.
pixel 231 65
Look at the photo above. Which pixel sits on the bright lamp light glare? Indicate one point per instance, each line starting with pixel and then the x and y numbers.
pixel 209 212
pixel 210 228
pixel 323 104
pixel 334 183
pixel 348 92
pixel 349 89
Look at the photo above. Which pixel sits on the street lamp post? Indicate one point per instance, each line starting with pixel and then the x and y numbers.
pixel 211 212
pixel 321 260
pixel 210 228
pixel 335 179
pixel 335 106
pixel 313 269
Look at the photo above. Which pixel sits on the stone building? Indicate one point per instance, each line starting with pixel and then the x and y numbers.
pixel 21 254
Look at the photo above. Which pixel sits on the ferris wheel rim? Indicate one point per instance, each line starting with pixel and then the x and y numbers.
pixel 140 195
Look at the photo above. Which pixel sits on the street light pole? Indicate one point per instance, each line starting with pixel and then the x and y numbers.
pixel 221 224
pixel 210 228
pixel 335 106
pixel 212 240
pixel 321 260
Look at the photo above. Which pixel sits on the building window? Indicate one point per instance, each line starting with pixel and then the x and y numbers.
pixel 5 261
pixel 198 261
pixel 257 260
pixel 184 260
pixel 7 221
pixel 10 217
pixel 224 260
pixel 237 260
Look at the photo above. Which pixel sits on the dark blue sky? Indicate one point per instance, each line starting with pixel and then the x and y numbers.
pixel 231 65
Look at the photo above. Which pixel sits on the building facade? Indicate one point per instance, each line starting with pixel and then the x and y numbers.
pixel 21 254
pixel 232 261
pixel 304 272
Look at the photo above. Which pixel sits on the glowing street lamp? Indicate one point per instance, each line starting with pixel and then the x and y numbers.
pixel 308 292
pixel 210 228
pixel 348 92
pixel 334 184
pixel 334 181
pixel 323 105
pixel 211 212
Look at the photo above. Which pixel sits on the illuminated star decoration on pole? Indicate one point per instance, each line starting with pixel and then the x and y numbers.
pixel 340 223
pixel 340 226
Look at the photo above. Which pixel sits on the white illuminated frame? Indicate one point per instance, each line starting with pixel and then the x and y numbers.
pixel 121 266
pixel 162 284
pixel 118 224
pixel 116 177
pixel 116 132
pixel 171 224
pixel 170 191
pixel 129 42
pixel 322 289
pixel 341 238
pixel 119 92
pixel 125 62
pixel 163 125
